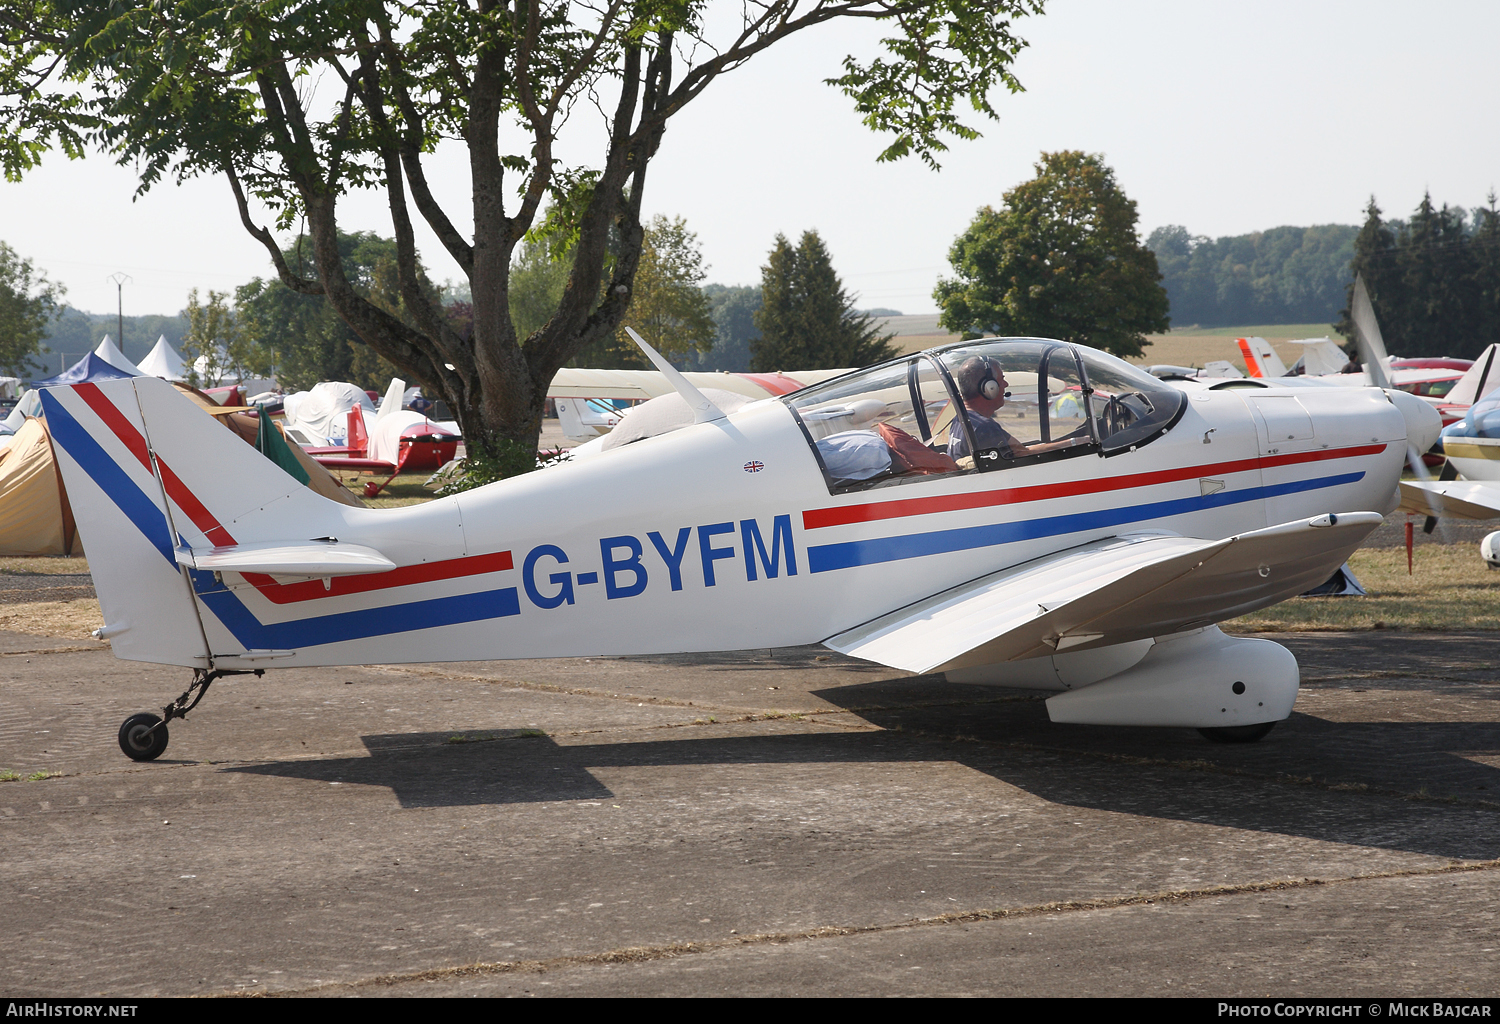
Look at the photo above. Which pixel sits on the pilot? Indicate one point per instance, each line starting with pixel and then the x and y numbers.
pixel 982 384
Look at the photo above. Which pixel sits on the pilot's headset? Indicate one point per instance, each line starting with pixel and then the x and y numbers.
pixel 987 385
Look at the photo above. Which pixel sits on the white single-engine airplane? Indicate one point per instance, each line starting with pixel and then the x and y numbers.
pixel 1019 511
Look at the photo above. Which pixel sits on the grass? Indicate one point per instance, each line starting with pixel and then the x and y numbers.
pixel 1195 346
pixel 1450 589
pixel 39 776
pixel 43 565
pixel 74 620
pixel 406 489
pixel 10 776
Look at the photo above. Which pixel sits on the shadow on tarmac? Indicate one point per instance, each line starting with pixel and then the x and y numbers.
pixel 1335 782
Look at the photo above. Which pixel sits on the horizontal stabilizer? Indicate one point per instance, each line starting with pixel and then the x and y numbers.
pixel 1107 592
pixel 294 558
pixel 1453 499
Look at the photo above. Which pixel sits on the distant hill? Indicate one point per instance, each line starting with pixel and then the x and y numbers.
pixel 75 333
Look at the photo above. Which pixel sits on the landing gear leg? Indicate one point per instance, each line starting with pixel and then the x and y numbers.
pixel 143 737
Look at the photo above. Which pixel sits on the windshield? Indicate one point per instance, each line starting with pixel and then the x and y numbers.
pixel 981 405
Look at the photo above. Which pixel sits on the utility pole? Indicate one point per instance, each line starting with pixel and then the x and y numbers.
pixel 120 280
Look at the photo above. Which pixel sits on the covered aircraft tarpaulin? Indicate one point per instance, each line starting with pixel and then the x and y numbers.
pixel 322 414
pixel 90 367
pixel 34 515
pixel 164 361
pixel 111 354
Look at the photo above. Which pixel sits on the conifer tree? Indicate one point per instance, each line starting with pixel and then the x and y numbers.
pixel 807 320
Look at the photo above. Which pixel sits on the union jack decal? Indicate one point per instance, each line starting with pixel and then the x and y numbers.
pixel 754 467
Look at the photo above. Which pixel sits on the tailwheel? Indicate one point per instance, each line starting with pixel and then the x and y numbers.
pixel 1238 733
pixel 143 737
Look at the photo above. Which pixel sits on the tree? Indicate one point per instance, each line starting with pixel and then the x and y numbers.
pixel 1434 280
pixel 733 308
pixel 297 104
pixel 667 305
pixel 1284 275
pixel 303 335
pixel 806 319
pixel 28 303
pixel 1060 260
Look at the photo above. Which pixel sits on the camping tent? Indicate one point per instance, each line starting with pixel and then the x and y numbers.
pixel 90 367
pixel 164 361
pixel 34 515
pixel 111 354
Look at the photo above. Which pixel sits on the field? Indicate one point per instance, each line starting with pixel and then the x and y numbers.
pixel 1189 346
pixel 1194 346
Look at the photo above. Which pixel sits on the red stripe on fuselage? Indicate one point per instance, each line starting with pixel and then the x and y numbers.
pixel 814 519
pixel 405 576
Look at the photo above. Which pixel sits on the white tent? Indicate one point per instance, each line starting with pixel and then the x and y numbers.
pixel 164 362
pixel 111 354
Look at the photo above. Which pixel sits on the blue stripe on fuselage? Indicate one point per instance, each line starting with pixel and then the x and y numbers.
pixel 827 557
pixel 356 625
pixel 112 480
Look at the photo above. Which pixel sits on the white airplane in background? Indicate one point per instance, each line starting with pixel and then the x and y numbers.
pixel 941 512
pixel 1430 379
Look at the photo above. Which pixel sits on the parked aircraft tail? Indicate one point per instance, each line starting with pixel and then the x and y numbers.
pixel 1261 359
pixel 172 505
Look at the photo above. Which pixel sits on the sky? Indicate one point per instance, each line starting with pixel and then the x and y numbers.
pixel 1225 118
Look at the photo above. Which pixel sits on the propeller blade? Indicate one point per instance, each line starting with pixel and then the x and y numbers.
pixel 1367 335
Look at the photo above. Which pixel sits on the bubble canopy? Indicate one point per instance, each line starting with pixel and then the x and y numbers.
pixel 977 406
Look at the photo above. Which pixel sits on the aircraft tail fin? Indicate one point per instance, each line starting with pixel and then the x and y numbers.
pixel 359 435
pixel 1261 359
pixel 152 480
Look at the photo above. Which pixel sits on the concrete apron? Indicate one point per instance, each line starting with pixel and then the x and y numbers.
pixel 752 823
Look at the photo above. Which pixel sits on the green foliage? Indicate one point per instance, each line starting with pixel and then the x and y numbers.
pixel 807 321
pixel 1286 275
pixel 487 462
pixel 538 275
pixel 216 347
pixel 733 308
pixel 667 305
pixel 1061 259
pixel 298 104
pixel 28 302
pixel 1434 280
pixel 303 334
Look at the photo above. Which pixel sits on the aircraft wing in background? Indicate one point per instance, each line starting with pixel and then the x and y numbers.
pixel 1457 499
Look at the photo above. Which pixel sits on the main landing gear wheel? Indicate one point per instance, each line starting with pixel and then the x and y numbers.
pixel 1238 733
pixel 138 738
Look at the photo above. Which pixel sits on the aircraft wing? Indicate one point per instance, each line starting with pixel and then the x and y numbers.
pixel 1107 592
pixel 1456 499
